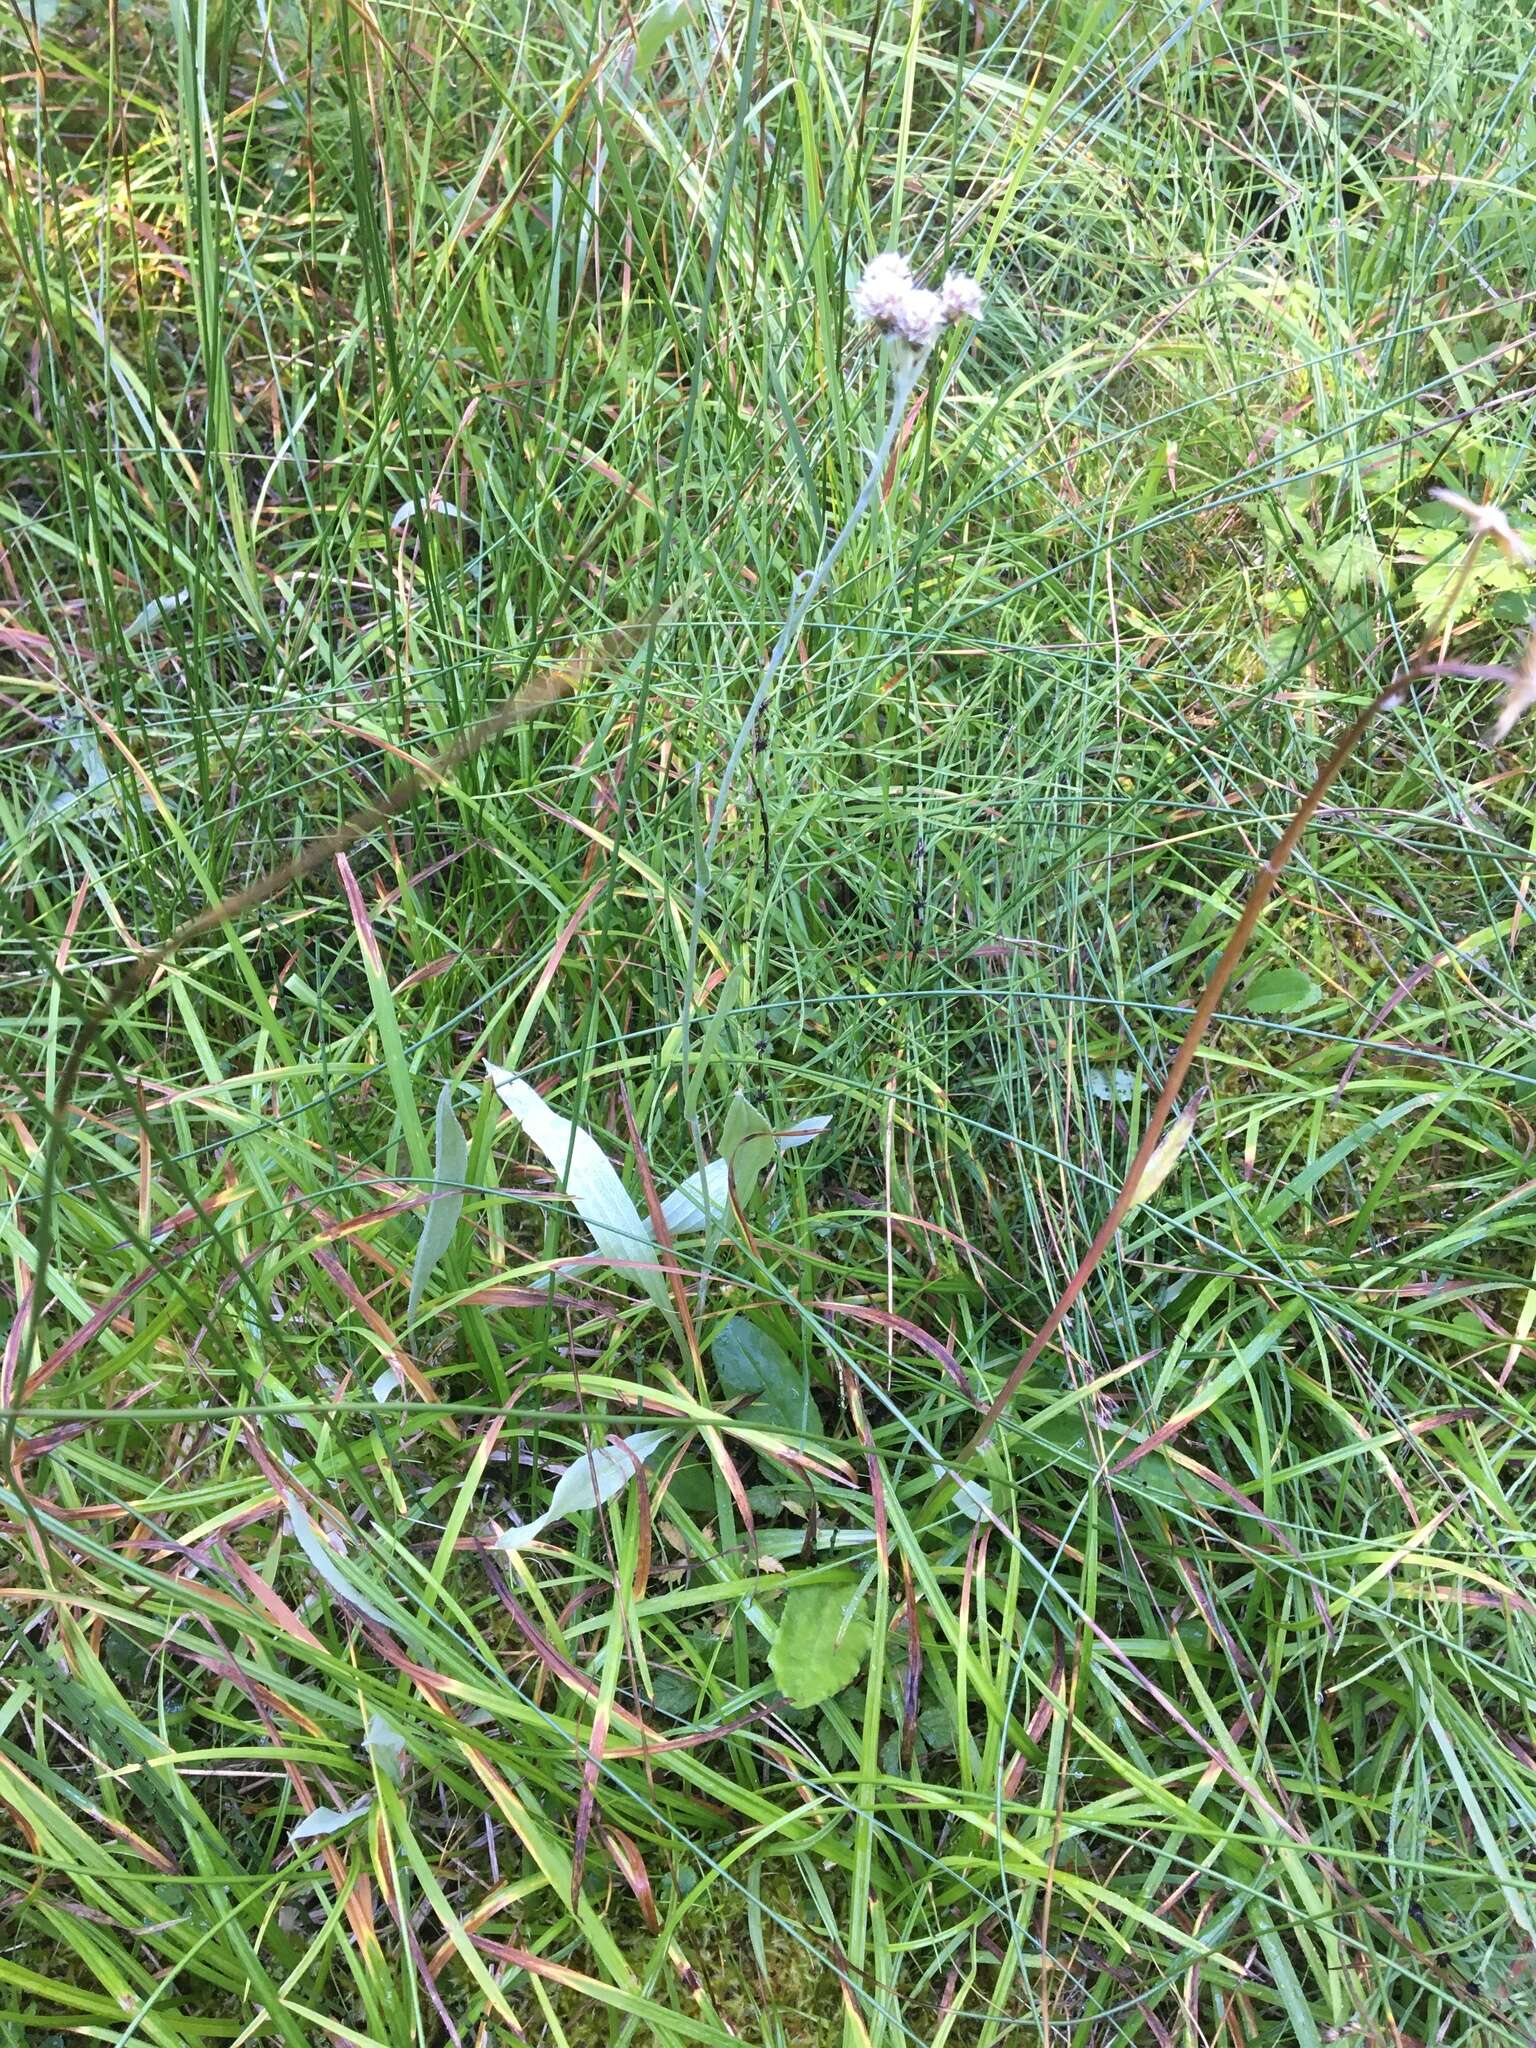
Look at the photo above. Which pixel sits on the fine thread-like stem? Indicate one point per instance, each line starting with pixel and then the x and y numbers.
pixel 908 368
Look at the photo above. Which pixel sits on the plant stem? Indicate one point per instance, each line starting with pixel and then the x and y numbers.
pixel 907 374
pixel 908 370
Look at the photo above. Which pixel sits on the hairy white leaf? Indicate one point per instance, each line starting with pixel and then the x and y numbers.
pixel 386 1745
pixel 591 1180
pixel 326 1820
pixel 595 1477
pixel 973 1500
pixel 326 1562
pixel 157 609
pixel 704 1197
pixel 412 506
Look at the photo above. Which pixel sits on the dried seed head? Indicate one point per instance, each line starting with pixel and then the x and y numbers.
pixel 1519 697
pixel 1488 522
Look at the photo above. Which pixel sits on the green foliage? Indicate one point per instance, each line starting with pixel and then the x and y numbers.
pixel 750 1363
pixel 1203 1707
pixel 821 1644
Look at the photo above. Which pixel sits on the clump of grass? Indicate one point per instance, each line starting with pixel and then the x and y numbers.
pixel 1201 1708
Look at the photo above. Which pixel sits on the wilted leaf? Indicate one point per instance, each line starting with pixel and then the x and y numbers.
pixel 1280 992
pixel 442 1213
pixel 749 1361
pixel 820 1646
pixel 326 1820
pixel 596 1476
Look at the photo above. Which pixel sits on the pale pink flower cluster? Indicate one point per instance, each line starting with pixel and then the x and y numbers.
pixel 1518 697
pixel 888 298
pixel 1488 522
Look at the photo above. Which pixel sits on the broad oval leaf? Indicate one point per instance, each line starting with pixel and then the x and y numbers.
pixel 1281 992
pixel 441 1218
pixel 749 1361
pixel 822 1642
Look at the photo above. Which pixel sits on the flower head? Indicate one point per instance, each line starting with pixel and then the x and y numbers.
pixel 1518 697
pixel 962 298
pixel 920 318
pixel 887 297
pixel 1488 522
pixel 881 294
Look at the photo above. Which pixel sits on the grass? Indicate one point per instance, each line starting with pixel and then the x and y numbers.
pixel 1203 1713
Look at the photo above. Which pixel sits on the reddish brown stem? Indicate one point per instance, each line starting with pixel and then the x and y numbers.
pixel 1183 1059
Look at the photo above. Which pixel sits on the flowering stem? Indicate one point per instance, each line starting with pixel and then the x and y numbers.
pixel 907 373
pixel 909 367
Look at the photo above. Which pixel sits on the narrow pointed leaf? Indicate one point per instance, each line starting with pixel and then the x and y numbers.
pixel 591 1180
pixel 441 1219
